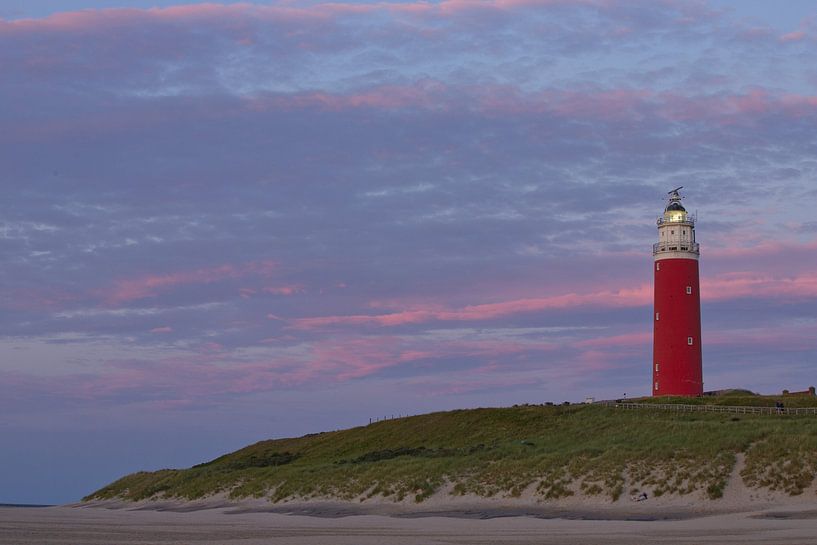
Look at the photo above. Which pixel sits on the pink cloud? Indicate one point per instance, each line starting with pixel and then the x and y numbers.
pixel 497 374
pixel 165 329
pixel 628 297
pixel 283 290
pixel 424 94
pixel 722 287
pixel 606 105
pixel 246 293
pixel 227 14
pixel 759 285
pixel 290 12
pixel 614 105
pixel 356 358
pixel 214 372
pixel 286 290
pixel 150 285
pixel 171 34
pixel 795 36
pixel 211 348
pixel 725 249
pixel 734 108
pixel 45 298
pixel 603 353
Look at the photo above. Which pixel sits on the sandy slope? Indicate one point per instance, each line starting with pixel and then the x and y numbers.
pixel 743 516
pixel 737 498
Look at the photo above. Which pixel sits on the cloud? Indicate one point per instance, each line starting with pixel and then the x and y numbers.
pixel 753 284
pixel 794 36
pixel 214 375
pixel 245 47
pixel 290 192
pixel 297 215
pixel 622 298
pixel 777 287
pixel 283 290
pixel 146 286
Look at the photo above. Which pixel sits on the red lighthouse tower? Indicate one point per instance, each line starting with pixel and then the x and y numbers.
pixel 676 368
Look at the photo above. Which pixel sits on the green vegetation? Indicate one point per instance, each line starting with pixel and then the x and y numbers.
pixel 735 398
pixel 554 451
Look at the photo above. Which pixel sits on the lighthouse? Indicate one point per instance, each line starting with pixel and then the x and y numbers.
pixel 676 364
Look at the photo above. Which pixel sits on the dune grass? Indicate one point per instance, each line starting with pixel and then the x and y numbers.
pixel 556 451
pixel 738 398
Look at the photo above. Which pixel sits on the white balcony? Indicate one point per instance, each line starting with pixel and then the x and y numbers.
pixel 692 247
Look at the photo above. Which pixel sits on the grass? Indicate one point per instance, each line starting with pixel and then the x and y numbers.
pixel 739 398
pixel 556 451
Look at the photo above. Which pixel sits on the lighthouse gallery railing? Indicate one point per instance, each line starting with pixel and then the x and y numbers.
pixel 693 247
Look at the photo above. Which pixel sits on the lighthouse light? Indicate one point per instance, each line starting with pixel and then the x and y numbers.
pixel 675 217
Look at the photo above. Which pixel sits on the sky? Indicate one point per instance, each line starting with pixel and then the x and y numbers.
pixel 228 222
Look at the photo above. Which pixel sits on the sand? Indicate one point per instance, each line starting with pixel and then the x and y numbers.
pixel 742 516
pixel 71 525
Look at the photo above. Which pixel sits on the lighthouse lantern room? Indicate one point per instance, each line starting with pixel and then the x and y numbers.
pixel 677 363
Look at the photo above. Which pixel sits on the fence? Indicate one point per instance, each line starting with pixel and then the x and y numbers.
pixel 713 408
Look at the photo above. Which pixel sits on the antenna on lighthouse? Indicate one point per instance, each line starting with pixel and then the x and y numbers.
pixel 675 197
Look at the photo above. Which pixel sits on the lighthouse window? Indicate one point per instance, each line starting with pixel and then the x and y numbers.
pixel 672 232
pixel 657 266
pixel 657 316
pixel 656 367
pixel 656 386
pixel 689 290
pixel 689 341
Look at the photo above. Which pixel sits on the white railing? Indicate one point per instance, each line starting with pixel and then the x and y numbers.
pixel 713 408
pixel 693 247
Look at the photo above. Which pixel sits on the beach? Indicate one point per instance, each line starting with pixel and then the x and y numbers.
pixel 74 525
pixel 742 516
